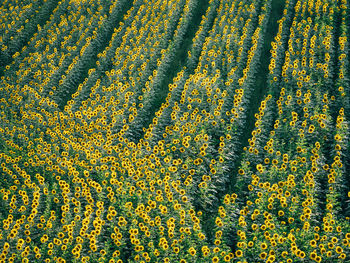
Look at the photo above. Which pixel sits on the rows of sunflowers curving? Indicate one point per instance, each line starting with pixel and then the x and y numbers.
pixel 159 131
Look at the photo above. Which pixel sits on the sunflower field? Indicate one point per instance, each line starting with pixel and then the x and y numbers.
pixel 174 131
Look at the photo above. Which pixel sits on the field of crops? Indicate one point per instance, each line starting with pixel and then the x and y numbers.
pixel 174 131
